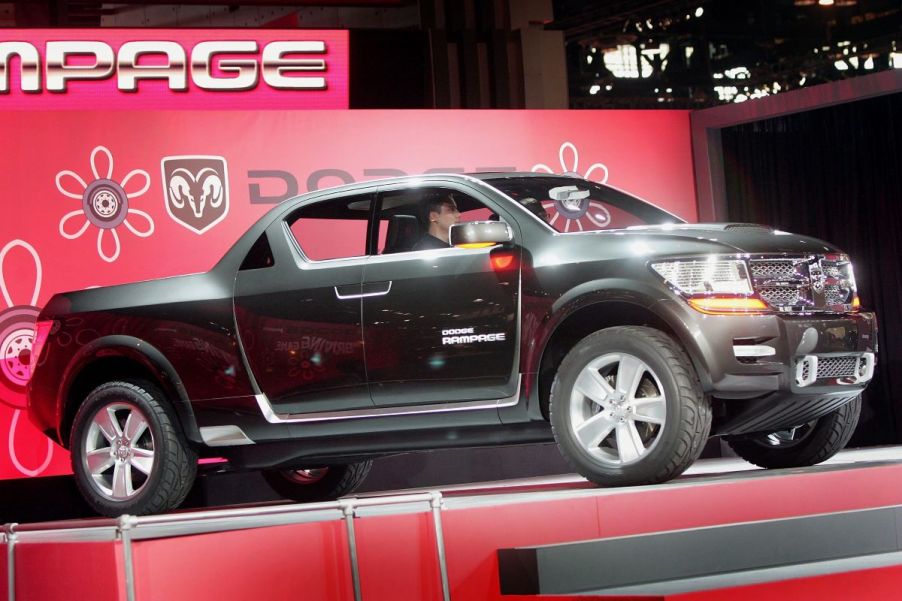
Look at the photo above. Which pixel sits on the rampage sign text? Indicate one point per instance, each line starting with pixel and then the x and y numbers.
pixel 273 63
pixel 469 336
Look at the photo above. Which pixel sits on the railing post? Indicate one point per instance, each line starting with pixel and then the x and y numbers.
pixel 435 502
pixel 348 509
pixel 9 533
pixel 124 525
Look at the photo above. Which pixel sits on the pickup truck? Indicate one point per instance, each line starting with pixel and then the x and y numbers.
pixel 545 308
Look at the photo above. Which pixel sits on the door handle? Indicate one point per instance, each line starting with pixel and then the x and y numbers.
pixel 353 291
pixel 376 288
pixel 347 292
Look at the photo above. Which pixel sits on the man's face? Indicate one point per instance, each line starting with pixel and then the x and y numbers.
pixel 448 216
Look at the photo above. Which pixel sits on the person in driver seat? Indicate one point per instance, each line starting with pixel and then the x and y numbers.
pixel 440 214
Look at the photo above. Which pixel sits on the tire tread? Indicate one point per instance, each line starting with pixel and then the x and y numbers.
pixel 177 458
pixel 695 417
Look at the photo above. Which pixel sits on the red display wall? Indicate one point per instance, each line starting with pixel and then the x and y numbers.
pixel 99 197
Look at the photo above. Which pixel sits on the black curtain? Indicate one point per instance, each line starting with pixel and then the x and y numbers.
pixel 836 174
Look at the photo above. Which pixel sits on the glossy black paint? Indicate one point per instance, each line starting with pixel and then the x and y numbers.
pixel 336 336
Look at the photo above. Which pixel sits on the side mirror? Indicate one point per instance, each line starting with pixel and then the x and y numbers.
pixel 480 234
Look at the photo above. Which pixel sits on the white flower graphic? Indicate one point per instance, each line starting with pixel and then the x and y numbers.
pixel 105 203
pixel 573 211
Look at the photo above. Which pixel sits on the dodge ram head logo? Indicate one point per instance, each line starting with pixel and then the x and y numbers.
pixel 197 190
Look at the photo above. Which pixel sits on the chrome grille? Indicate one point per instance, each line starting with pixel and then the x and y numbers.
pixel 779 296
pixel 835 295
pixel 804 283
pixel 806 371
pixel 777 270
pixel 837 367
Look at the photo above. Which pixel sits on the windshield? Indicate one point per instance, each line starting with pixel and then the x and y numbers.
pixel 569 204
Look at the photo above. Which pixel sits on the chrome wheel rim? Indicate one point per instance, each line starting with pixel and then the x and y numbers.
pixel 307 476
pixel 617 409
pixel 119 451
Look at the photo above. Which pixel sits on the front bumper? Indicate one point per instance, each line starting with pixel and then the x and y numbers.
pixel 781 368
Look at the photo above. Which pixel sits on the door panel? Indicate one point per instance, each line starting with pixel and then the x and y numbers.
pixel 444 330
pixel 300 322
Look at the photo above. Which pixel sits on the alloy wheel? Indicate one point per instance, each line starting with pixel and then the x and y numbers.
pixel 119 451
pixel 618 409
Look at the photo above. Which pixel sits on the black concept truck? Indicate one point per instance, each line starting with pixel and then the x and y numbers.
pixel 456 310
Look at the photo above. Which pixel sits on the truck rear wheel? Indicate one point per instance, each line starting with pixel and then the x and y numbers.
pixel 808 444
pixel 128 453
pixel 627 407
pixel 318 484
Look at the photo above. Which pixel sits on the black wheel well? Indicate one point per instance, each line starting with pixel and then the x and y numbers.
pixel 581 323
pixel 93 375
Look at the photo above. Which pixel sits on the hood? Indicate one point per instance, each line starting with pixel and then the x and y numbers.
pixel 740 237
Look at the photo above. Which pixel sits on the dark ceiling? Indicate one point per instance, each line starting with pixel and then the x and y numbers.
pixel 716 50
pixel 766 45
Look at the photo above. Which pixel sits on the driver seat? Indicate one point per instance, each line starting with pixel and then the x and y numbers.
pixel 403 232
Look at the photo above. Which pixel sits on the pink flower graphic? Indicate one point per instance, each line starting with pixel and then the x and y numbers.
pixel 105 203
pixel 574 211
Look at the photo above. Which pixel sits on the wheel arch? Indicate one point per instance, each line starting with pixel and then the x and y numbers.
pixel 600 307
pixel 121 357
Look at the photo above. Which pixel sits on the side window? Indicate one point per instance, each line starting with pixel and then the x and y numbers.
pixel 332 229
pixel 260 256
pixel 418 218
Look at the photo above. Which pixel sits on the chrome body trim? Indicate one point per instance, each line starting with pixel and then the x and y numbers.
pixel 753 350
pixel 281 418
pixel 224 436
pixel 362 294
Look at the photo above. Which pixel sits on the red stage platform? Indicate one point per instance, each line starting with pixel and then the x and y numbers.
pixel 828 532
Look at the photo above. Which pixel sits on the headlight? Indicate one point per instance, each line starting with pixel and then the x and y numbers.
pixel 716 286
pixel 712 276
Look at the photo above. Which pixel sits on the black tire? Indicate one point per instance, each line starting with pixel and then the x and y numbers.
pixel 174 462
pixel 677 442
pixel 808 444
pixel 318 484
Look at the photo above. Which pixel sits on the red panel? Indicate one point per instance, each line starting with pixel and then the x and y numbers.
pixel 472 537
pixel 313 149
pixel 63 571
pixel 302 561
pixel 397 558
pixel 397 552
pixel 748 499
pixel 4 596
pixel 102 93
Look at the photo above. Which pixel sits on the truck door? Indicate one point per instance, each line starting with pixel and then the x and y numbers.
pixel 299 320
pixel 439 325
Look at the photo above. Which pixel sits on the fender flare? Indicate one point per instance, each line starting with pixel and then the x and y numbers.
pixel 622 290
pixel 141 352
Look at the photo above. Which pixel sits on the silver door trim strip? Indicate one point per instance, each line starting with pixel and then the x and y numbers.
pixel 295 418
pixel 362 294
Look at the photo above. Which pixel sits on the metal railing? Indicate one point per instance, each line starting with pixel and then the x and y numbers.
pixel 129 528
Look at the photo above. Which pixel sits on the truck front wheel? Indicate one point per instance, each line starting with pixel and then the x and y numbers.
pixel 627 407
pixel 128 453
pixel 807 444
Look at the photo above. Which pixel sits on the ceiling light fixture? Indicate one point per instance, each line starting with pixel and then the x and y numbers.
pixel 805 2
pixel 825 2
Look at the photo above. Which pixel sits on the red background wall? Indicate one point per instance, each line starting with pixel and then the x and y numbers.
pixel 646 153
